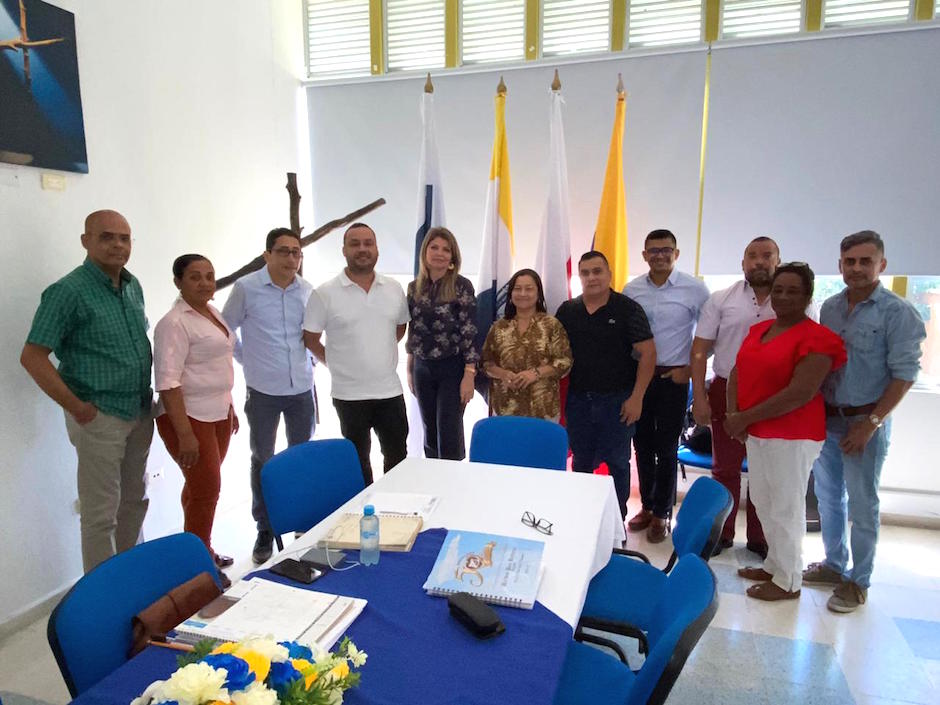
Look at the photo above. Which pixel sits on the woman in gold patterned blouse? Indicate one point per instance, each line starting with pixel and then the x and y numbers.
pixel 526 353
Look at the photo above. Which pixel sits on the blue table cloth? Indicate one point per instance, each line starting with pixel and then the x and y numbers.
pixel 418 653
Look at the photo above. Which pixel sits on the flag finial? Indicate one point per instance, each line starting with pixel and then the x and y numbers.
pixel 428 86
pixel 620 89
pixel 556 82
pixel 501 88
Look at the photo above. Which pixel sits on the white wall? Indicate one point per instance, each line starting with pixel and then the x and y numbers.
pixel 191 122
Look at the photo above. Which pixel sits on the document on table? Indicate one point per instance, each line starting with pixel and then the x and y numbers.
pixel 284 612
pixel 407 503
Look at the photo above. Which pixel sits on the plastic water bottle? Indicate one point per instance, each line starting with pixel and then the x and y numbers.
pixel 369 536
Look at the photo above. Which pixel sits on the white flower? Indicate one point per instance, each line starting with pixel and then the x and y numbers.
pixel 356 657
pixel 255 694
pixel 147 695
pixel 195 683
pixel 265 646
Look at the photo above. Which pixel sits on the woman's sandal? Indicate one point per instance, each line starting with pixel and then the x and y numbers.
pixel 771 592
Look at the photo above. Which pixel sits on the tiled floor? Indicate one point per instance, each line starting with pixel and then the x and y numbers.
pixel 888 652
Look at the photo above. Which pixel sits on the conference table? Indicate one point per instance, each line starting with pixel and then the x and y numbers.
pixel 417 651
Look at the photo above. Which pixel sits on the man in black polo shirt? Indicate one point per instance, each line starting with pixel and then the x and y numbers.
pixel 614 359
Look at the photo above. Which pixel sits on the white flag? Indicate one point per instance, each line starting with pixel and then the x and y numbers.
pixel 553 260
pixel 430 215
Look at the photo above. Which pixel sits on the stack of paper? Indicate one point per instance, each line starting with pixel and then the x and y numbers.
pixel 286 613
pixel 397 532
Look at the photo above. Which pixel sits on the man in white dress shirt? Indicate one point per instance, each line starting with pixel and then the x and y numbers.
pixel 364 315
pixel 722 326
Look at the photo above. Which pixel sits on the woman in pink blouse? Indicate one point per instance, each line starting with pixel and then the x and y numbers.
pixel 192 361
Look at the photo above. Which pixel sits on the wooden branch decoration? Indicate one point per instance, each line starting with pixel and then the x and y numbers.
pixel 294 196
pixel 258 262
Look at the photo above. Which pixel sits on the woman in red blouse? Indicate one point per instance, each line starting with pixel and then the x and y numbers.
pixel 776 409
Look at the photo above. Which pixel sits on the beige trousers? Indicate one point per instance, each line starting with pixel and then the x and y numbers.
pixel 112 482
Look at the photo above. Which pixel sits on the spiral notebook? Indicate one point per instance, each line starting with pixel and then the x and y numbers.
pixel 502 570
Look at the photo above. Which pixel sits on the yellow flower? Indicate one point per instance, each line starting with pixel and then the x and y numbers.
pixel 340 670
pixel 226 647
pixel 257 664
pixel 305 667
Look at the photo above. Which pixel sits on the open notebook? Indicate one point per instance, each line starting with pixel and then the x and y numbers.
pixel 503 570
pixel 397 532
pixel 287 613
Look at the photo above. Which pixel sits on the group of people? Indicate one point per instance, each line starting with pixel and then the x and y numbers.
pixel 629 358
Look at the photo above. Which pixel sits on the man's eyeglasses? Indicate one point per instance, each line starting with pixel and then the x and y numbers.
pixel 653 251
pixel 288 252
pixel 541 525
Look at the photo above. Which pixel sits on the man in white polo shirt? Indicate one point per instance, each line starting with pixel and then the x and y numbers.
pixel 364 315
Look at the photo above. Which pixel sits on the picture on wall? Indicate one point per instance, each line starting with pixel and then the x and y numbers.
pixel 41 120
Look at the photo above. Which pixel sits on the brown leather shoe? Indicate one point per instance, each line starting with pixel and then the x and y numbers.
pixel 640 520
pixel 657 531
pixel 771 592
pixel 755 573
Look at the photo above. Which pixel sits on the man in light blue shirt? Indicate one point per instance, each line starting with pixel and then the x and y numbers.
pixel 883 335
pixel 672 301
pixel 267 309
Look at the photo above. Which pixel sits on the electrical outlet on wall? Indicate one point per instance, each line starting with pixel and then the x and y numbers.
pixel 156 473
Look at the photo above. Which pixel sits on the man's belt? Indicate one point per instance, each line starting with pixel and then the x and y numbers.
pixel 863 410
pixel 663 369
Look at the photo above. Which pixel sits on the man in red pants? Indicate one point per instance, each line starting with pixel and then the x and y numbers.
pixel 724 322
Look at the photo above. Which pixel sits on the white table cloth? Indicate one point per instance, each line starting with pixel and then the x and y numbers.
pixel 491 498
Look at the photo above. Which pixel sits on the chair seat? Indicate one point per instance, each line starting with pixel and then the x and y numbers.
pixel 687 456
pixel 591 676
pixel 623 591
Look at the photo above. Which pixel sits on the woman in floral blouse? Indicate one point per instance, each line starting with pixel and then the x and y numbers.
pixel 442 357
pixel 526 353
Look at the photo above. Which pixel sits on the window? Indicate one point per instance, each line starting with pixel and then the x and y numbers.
pixel 338 38
pixel 759 18
pixel 415 34
pixel 662 22
pixel 854 13
pixel 493 30
pixel 574 26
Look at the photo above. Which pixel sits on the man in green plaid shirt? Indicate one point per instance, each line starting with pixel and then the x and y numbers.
pixel 93 320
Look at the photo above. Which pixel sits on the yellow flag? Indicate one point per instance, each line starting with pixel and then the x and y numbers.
pixel 610 235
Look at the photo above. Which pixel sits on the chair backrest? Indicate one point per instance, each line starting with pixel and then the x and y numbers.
pixel 687 605
pixel 304 484
pixel 700 518
pixel 90 629
pixel 519 440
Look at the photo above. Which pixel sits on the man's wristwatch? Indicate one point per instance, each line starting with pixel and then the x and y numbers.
pixel 876 420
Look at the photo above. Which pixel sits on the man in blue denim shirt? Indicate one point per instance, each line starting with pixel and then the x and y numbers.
pixel 883 335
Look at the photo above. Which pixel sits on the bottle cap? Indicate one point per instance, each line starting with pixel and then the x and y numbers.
pixel 368 510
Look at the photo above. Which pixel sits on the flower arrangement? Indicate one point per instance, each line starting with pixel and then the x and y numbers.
pixel 258 671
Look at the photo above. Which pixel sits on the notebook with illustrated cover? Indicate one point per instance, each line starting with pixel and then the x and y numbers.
pixel 502 570
pixel 397 532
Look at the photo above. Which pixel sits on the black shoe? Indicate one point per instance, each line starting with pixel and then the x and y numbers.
pixel 264 547
pixel 759 548
pixel 722 545
pixel 224 580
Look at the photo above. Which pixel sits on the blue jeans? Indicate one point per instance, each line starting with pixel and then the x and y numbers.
pixel 437 384
pixel 263 412
pixel 847 488
pixel 596 435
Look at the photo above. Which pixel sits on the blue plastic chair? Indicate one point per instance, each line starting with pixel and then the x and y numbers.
pixel 685 607
pixel 521 441
pixel 90 629
pixel 615 600
pixel 306 483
